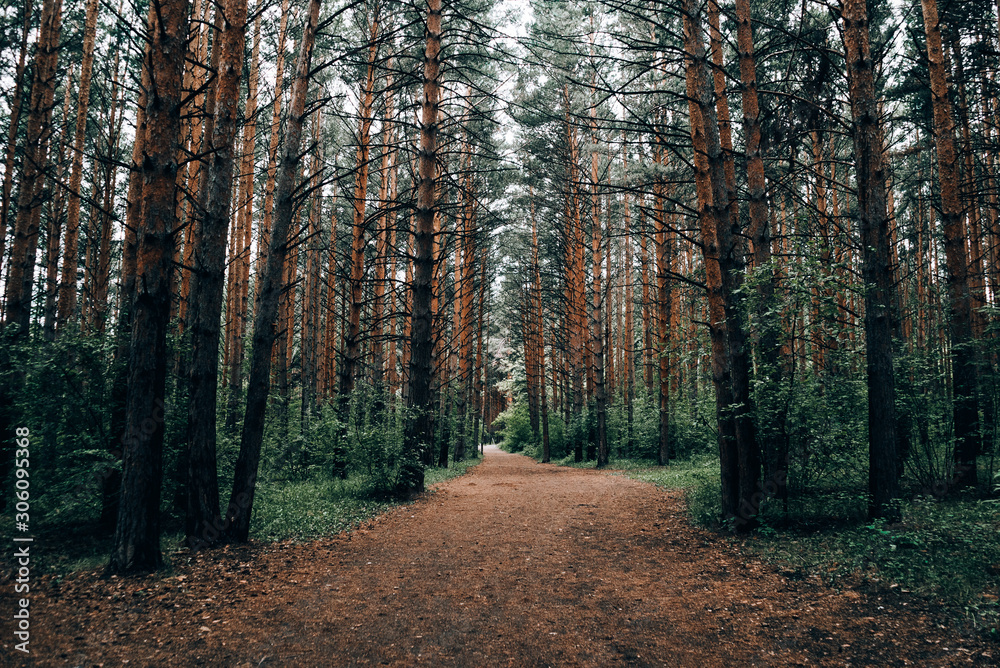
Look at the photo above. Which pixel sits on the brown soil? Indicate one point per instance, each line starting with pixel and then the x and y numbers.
pixel 514 564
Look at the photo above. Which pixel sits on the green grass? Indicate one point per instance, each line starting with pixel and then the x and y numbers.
pixel 947 551
pixel 433 476
pixel 321 507
pixel 312 508
pixel 283 510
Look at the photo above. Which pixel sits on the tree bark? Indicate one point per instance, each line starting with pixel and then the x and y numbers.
pixel 21 274
pixel 67 295
pixel 136 546
pixel 349 370
pixel 418 436
pixel 202 520
pixel 54 229
pixel 272 151
pixel 15 118
pixel 242 287
pixel 664 304
pixel 245 477
pixel 700 105
pixel 963 355
pixel 870 170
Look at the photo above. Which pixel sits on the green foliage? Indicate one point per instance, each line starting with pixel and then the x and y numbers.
pixel 435 475
pixel 310 508
pixel 320 505
pixel 60 390
pixel 947 551
pixel 514 427
pixel 698 476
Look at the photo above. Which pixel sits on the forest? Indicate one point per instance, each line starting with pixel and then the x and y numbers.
pixel 269 268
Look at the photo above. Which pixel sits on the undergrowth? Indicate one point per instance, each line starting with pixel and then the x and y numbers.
pixel 283 510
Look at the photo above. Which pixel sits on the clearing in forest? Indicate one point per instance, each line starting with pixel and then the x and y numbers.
pixel 515 564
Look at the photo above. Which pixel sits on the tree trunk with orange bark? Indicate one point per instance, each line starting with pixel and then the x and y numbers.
pixel 385 236
pixel 194 181
pixel 67 294
pixel 240 303
pixel 417 434
pixel 629 347
pixel 238 512
pixel 349 370
pixel 965 412
pixel 664 303
pixel 464 293
pixel 21 274
pixel 272 150
pixel 737 443
pixel 53 231
pixel 21 271
pixel 330 335
pixel 539 331
pixel 759 231
pixel 14 120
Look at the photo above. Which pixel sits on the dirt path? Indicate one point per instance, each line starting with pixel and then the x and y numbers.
pixel 515 564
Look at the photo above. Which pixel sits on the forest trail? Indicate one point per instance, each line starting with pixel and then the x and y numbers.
pixel 514 564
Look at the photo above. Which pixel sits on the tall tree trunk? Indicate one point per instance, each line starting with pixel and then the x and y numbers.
pixel 54 229
pixel 713 217
pixel 111 480
pixel 758 214
pixel 17 303
pixel 201 128
pixel 464 292
pixel 629 372
pixel 330 345
pixel 539 325
pixel 418 434
pixel 386 227
pixel 883 482
pixel 272 151
pixel 99 308
pixel 349 370
pixel 203 522
pixel 241 499
pixel 15 118
pixel 98 305
pixel 963 355
pixel 647 315
pixel 663 334
pixel 67 295
pixel 310 288
pixel 21 275
pixel 240 305
pixel 597 333
pixel 136 545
